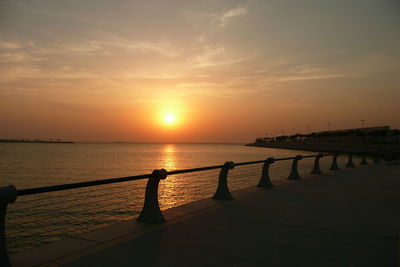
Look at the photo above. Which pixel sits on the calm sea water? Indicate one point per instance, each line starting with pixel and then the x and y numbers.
pixel 35 220
pixel 32 165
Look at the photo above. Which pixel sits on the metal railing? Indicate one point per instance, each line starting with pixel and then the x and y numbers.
pixel 151 212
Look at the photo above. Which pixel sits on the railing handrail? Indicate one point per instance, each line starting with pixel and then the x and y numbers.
pixel 282 159
pixel 195 169
pixel 53 188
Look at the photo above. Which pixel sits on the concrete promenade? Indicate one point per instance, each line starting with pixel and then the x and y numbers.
pixel 345 218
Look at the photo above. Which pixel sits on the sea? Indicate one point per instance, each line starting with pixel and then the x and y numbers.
pixel 36 220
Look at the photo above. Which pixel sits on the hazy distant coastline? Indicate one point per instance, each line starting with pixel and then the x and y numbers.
pixel 35 141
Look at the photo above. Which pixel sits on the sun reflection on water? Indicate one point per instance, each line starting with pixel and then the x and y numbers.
pixel 170 187
pixel 169 160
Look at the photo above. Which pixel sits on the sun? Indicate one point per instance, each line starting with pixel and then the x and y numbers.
pixel 169 118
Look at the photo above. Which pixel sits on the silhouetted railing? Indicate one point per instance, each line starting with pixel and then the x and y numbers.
pixel 151 212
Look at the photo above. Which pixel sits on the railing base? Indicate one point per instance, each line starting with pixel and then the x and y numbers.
pixel 265 181
pixel 294 174
pixel 151 212
pixel 316 169
pixel 334 166
pixel 350 163
pixel 8 194
pixel 364 161
pixel 222 192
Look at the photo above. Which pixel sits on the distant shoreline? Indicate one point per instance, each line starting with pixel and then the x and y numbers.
pixel 34 141
pixel 119 142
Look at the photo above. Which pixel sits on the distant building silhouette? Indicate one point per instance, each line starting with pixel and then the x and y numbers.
pixel 377 134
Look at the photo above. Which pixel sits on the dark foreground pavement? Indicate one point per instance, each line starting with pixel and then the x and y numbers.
pixel 346 218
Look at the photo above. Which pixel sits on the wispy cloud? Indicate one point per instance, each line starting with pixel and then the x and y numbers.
pixel 16 57
pixel 312 77
pixel 207 56
pixel 9 45
pixel 90 46
pixel 162 47
pixel 18 72
pixel 305 72
pixel 202 68
pixel 227 17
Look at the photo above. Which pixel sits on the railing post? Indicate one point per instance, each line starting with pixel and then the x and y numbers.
pixel 386 158
pixel 294 174
pixel 8 194
pixel 151 212
pixel 364 160
pixel 334 166
pixel 222 192
pixel 350 163
pixel 317 169
pixel 265 181
pixel 376 158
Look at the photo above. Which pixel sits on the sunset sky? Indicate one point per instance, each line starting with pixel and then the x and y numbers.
pixel 196 71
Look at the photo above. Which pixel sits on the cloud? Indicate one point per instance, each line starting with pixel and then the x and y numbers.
pixel 111 42
pixel 149 74
pixel 225 18
pixel 208 55
pixel 17 72
pixel 9 45
pixel 14 52
pixel 163 47
pixel 304 72
pixel 65 68
pixel 87 47
pixel 14 57
pixel 111 45
pixel 312 77
pixel 284 70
